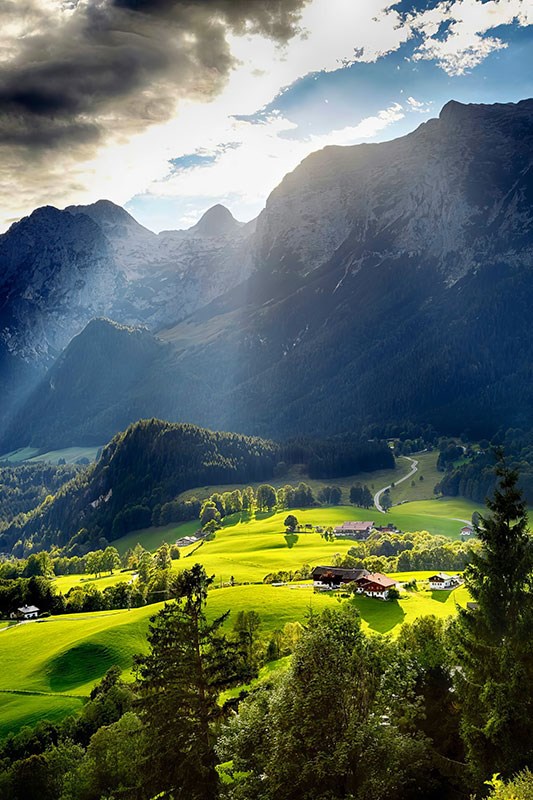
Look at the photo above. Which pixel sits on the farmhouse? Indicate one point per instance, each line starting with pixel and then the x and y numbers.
pixel 375 584
pixel 443 581
pixel 334 577
pixel 467 530
pixel 357 530
pixel 25 612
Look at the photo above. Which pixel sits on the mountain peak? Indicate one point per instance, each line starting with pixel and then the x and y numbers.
pixel 217 221
pixel 108 215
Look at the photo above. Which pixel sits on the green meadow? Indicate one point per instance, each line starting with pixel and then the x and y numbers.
pixel 51 665
pixel 248 547
pixel 65 582
pixel 32 454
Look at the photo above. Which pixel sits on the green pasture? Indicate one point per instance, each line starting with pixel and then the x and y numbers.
pixel 414 488
pixel 49 665
pixel 249 547
pixel 34 454
pixel 70 454
pixel 444 516
pixel 20 455
pixel 65 582
pixel 152 538
pixel 18 710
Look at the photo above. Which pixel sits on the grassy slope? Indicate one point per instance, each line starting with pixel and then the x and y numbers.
pixel 65 582
pixel 65 656
pixel 422 490
pixel 32 454
pixel 249 548
pixel 70 454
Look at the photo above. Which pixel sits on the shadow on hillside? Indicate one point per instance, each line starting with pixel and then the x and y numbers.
pixel 264 514
pixel 291 539
pixel 381 615
pixel 441 595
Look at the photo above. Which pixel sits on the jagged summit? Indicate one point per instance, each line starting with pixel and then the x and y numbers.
pixel 110 215
pixel 217 221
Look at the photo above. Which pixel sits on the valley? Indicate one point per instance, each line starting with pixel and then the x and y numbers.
pixel 58 660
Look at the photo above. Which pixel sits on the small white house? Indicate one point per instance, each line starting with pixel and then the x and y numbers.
pixel 442 581
pixel 25 612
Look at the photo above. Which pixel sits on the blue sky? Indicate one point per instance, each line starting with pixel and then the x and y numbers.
pixel 319 107
pixel 209 109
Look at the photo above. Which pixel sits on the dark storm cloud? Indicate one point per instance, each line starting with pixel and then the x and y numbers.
pixel 116 66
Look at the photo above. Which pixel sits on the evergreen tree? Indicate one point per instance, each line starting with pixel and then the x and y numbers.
pixel 179 681
pixel 494 642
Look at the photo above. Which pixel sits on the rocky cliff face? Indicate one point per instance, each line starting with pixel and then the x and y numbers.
pixel 59 269
pixel 386 281
pixel 457 190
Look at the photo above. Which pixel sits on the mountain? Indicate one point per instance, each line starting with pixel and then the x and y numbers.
pixel 389 281
pixel 60 269
pixel 148 464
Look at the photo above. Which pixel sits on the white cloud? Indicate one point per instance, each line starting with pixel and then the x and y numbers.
pixel 264 156
pixel 465 44
pixel 335 33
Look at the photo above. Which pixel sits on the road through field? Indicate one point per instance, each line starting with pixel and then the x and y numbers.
pixel 412 471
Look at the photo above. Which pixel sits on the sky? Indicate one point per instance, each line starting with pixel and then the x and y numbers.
pixel 168 107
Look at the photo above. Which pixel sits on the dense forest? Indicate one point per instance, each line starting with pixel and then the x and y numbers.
pixel 24 487
pixel 147 466
pixel 475 479
pixel 443 712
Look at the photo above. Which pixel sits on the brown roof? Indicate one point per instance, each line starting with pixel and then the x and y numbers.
pixel 356 526
pixel 379 578
pixel 339 572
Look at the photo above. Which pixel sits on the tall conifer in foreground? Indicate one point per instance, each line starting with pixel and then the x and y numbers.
pixel 179 682
pixel 495 638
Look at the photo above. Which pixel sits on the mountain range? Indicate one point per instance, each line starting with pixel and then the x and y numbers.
pixel 381 281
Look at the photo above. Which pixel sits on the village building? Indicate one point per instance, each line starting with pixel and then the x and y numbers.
pixel 443 581
pixel 335 577
pixel 387 528
pixel 25 612
pixel 354 530
pixel 375 584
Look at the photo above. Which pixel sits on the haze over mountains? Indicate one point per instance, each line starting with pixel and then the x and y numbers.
pixel 383 281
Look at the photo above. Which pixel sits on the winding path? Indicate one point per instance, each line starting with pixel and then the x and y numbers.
pixel 414 468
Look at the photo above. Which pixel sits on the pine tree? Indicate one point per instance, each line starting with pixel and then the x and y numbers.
pixel 179 681
pixel 494 637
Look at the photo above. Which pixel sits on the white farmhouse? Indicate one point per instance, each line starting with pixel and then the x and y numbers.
pixel 442 581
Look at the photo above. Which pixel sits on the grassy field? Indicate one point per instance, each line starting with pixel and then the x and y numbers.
pixel 249 547
pixel 65 582
pixel 18 710
pixel 20 455
pixel 33 454
pixel 57 661
pixel 416 489
pixel 69 454
pixel 67 654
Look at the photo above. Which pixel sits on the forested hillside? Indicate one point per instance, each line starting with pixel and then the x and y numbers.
pixel 149 463
pixel 26 486
pixel 152 462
